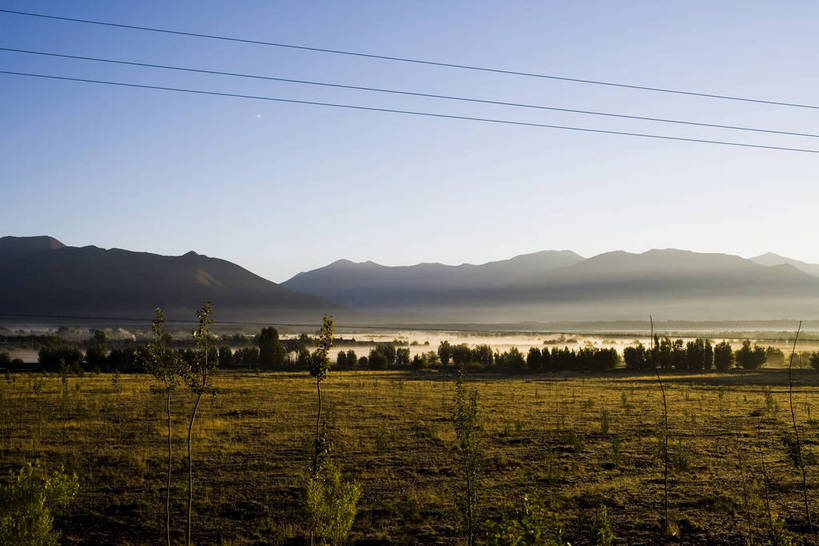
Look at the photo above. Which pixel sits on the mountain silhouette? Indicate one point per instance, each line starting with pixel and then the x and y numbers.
pixel 41 276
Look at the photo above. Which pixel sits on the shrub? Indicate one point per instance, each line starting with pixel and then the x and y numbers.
pixel 331 504
pixel 28 501
pixel 530 523
pixel 604 422
pixel 600 531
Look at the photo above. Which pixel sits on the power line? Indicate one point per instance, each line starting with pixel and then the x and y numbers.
pixel 414 61
pixel 407 93
pixel 413 112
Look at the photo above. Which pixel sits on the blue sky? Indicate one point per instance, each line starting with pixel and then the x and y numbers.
pixel 283 188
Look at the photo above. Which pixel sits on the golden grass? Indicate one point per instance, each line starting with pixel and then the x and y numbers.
pixel 542 436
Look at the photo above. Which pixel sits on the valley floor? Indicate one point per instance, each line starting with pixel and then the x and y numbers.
pixel 543 436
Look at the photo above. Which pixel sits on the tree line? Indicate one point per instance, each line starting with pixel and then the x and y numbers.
pixel 270 352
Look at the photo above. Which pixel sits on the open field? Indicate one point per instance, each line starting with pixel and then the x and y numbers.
pixel 542 437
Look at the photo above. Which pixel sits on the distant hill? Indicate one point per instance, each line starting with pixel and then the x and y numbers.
pixel 616 285
pixel 775 259
pixel 368 284
pixel 41 276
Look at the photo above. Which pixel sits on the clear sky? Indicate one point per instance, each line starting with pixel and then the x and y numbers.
pixel 283 188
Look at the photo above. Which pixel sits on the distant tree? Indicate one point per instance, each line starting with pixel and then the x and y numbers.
pixel 708 356
pixel 635 358
pixel 723 356
pixel 698 355
pixel 341 360
pixel 750 358
pixel 352 359
pixel 70 355
pixel 95 355
pixel 445 352
pixel 377 360
pixel 775 356
pixel 534 360
pixel 483 355
pixel 363 362
pixel 271 351
pixel 225 357
pixel 461 354
pixel 678 355
pixel 5 358
pixel 402 357
pixel 814 361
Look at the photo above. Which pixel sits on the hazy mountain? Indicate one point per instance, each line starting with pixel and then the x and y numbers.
pixel 40 275
pixel 668 283
pixel 368 284
pixel 775 259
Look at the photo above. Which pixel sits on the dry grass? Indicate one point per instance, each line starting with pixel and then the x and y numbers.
pixel 542 436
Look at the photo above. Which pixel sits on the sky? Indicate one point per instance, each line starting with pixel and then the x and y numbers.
pixel 283 188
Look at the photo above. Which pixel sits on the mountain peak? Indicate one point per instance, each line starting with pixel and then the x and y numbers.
pixel 30 244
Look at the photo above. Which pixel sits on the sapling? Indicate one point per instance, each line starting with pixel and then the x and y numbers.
pixel 465 421
pixel 200 382
pixel 665 423
pixel 798 458
pixel 169 369
pixel 329 501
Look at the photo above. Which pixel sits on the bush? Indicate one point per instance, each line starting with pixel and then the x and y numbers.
pixel 600 531
pixel 531 523
pixel 27 503
pixel 331 504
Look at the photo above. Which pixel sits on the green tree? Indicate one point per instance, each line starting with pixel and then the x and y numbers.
pixel 402 357
pixel 723 356
pixel 27 504
pixel 170 370
pixel 534 360
pixel 467 433
pixel 445 352
pixel 635 358
pixel 750 358
pixel 319 367
pixel 200 381
pixel 271 351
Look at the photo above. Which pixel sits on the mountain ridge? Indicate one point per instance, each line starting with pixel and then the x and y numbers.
pixel 55 279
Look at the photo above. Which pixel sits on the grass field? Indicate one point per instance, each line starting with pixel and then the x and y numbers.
pixel 542 436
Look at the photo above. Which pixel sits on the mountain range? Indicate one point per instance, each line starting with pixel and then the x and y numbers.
pixel 556 285
pixel 41 276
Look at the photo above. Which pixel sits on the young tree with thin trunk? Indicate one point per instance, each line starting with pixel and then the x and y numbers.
pixel 319 364
pixel 465 422
pixel 799 458
pixel 169 369
pixel 665 425
pixel 200 383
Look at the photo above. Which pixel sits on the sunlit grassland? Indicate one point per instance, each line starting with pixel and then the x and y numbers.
pixel 543 436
